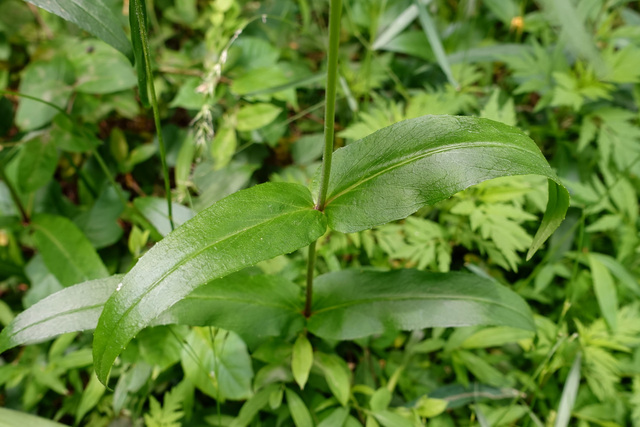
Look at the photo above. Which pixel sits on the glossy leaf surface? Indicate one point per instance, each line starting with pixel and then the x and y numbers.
pixel 247 227
pixel 93 16
pixel 393 172
pixel 352 303
pixel 73 309
pixel 66 251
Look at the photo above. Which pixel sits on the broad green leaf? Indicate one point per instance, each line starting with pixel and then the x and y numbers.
pixel 100 69
pixel 569 394
pixel 11 418
pixel 137 12
pixel 496 336
pixel 66 251
pixel 605 290
pixel 301 360
pixel 299 412
pixel 93 16
pixel 352 303
pixel 155 210
pixel 73 309
pixel 618 270
pixel 245 228
pixel 100 223
pixel 337 374
pixel 393 172
pixel 49 81
pixel 269 305
pixel 38 162
pixel 218 363
pixel 255 116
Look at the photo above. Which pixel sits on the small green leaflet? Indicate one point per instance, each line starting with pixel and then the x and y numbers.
pixel 395 171
pixel 93 16
pixel 238 231
pixel 351 304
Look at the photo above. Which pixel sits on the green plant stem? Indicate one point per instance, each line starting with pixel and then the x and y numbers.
pixel 329 122
pixel 330 98
pixel 154 106
pixel 14 195
pixel 81 174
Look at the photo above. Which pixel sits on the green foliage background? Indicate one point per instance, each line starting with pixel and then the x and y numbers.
pixel 240 86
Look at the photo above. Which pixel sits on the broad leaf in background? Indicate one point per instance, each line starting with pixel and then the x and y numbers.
pixel 73 309
pixel 93 16
pixel 247 227
pixel 393 172
pixel 100 69
pixel 38 162
pixel 351 304
pixel 66 251
pixel 155 210
pixel 50 81
pixel 218 364
pixel 252 306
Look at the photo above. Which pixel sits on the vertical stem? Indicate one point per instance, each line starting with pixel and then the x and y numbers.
pixel 330 97
pixel 154 105
pixel 329 122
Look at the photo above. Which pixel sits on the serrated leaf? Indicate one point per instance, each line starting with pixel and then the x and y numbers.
pixel 73 309
pixel 93 16
pixel 351 303
pixel 247 227
pixel 67 253
pixel 391 173
pixel 301 360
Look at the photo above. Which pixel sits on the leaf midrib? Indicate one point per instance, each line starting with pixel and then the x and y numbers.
pixel 426 153
pixel 115 326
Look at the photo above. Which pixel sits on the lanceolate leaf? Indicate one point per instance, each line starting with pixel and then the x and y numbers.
pixel 392 173
pixel 247 227
pixel 351 304
pixel 67 253
pixel 72 309
pixel 269 306
pixel 93 16
pixel 137 9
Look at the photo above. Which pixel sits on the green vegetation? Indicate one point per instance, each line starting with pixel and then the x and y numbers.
pixel 168 181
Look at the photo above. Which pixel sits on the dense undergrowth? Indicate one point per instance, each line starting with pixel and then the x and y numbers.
pixel 240 90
